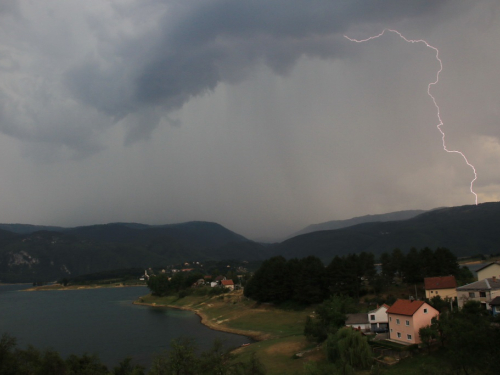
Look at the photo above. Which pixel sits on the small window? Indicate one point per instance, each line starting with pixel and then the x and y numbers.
pixel 425 311
pixel 407 322
pixel 372 317
pixel 399 335
pixel 482 294
pixel 432 292
pixel 472 294
pixel 391 330
pixel 408 337
pixel 390 319
pixel 397 321
pixel 437 292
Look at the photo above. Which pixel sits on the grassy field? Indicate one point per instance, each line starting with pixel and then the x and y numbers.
pixel 280 332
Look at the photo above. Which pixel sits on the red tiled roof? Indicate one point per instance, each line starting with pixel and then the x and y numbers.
pixel 227 282
pixel 440 282
pixel 405 307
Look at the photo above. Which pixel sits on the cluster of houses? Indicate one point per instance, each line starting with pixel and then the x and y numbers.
pixel 404 318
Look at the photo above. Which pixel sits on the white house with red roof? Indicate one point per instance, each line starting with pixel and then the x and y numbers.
pixel 406 317
pixel 227 284
pixel 443 286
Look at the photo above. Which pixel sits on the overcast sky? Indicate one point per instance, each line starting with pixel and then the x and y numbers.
pixel 258 114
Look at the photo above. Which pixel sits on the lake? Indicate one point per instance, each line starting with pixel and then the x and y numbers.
pixel 101 321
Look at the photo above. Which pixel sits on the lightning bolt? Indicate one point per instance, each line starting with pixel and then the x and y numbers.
pixel 429 93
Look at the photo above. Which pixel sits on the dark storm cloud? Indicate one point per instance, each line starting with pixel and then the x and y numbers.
pixel 199 44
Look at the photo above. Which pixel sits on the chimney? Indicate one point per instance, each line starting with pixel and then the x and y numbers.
pixel 494 279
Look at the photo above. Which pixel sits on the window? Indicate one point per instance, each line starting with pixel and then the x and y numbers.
pixel 390 319
pixel 472 294
pixel 399 335
pixel 397 321
pixel 437 292
pixel 408 337
pixel 407 323
pixel 391 330
pixel 432 292
pixel 425 311
pixel 482 294
pixel 372 317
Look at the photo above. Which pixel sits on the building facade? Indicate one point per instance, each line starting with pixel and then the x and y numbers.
pixel 483 291
pixel 406 317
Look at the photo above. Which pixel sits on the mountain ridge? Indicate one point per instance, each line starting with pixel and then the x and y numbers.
pixel 51 254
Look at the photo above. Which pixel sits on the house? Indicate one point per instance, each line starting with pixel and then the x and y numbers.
pixel 406 317
pixel 495 306
pixel 227 284
pixel 483 291
pixel 378 319
pixel 488 271
pixel 358 321
pixel 443 286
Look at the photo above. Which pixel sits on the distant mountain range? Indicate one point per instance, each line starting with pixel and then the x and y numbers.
pixel 339 224
pixel 32 253
pixel 465 230
pixel 41 253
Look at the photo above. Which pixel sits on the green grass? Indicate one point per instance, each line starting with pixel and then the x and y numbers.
pixel 432 364
pixel 277 355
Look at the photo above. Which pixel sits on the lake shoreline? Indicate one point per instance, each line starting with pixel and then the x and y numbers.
pixel 44 288
pixel 205 320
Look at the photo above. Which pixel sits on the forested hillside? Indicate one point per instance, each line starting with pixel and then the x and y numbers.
pixel 50 255
pixel 465 230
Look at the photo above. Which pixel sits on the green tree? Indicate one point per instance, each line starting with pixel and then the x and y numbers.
pixel 349 349
pixel 270 283
pixel 412 267
pixel 125 367
pixel 309 281
pixel 428 335
pixel 159 285
pixel 8 361
pixel 87 364
pixel 252 367
pixel 388 267
pixel 216 361
pixel 180 360
pixel 331 315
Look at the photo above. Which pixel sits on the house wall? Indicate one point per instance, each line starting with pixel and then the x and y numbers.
pixel 418 320
pixel 464 296
pixel 443 293
pixel 380 315
pixel 490 271
pixel 402 328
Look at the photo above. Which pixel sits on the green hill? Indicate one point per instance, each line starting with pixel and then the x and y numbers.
pixel 465 230
pixel 49 255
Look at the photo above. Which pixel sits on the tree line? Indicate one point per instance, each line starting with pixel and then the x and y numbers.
pixel 416 265
pixel 182 358
pixel 308 281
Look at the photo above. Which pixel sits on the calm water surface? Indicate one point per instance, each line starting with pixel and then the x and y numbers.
pixel 101 321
